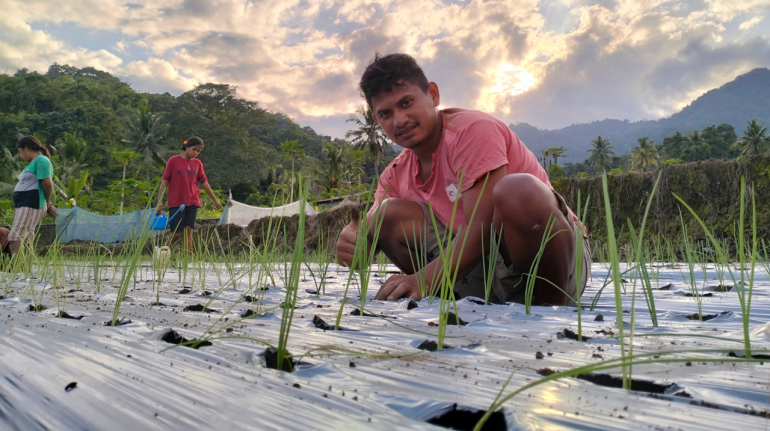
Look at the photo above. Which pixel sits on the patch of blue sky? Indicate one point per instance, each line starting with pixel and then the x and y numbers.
pixel 456 2
pixel 733 29
pixel 679 8
pixel 558 17
pixel 330 22
pixel 329 52
pixel 77 36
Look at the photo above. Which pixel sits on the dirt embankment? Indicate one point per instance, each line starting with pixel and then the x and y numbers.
pixel 235 239
pixel 711 188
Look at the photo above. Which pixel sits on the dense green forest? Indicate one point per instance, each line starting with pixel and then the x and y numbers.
pixel 99 129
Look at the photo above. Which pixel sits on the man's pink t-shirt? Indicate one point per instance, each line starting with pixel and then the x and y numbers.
pixel 471 141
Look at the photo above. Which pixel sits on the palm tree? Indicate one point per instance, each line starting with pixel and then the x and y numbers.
pixel 330 173
pixel 545 155
pixel 368 135
pixel 123 158
pixel 645 154
pixel 74 159
pixel 694 138
pixel 601 153
pixel 145 131
pixel 292 150
pixel 557 152
pixel 752 140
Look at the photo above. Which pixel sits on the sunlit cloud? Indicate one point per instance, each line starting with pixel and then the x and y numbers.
pixel 547 62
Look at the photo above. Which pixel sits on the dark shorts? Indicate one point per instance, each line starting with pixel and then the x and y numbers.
pixel 508 283
pixel 182 219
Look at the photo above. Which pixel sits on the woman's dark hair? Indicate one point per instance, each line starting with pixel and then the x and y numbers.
pixel 192 142
pixel 33 144
pixel 385 72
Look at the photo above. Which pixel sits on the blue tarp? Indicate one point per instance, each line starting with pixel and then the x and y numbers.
pixel 79 224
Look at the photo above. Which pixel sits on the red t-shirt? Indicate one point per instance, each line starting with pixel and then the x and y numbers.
pixel 471 141
pixel 182 175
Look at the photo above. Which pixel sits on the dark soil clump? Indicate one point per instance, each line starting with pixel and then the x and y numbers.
pixel 411 305
pixel 357 312
pixel 702 295
pixel 250 313
pixel 185 290
pixel 312 291
pixel 617 382
pixel 732 354
pixel 271 360
pixel 666 287
pixel 120 322
pixel 321 324
pixel 431 346
pixel 453 319
pixel 477 301
pixel 466 420
pixel 705 317
pixel 37 308
pixel 568 333
pixel 65 315
pixel 200 308
pixel 173 337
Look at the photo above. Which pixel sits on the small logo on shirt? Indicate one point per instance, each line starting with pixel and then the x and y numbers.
pixel 451 192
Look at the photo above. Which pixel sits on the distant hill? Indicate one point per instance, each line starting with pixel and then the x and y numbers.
pixel 734 103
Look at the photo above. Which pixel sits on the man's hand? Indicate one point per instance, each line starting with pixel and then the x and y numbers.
pixel 346 244
pixel 52 211
pixel 398 286
pixel 159 211
pixel 218 205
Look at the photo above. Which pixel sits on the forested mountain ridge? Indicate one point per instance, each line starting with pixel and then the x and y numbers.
pixel 96 110
pixel 735 103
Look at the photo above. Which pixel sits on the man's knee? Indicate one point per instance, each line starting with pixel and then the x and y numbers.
pixel 393 213
pixel 523 197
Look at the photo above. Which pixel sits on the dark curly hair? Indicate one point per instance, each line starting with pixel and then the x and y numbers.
pixel 385 72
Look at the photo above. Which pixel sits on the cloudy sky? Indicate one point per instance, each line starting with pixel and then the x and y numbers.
pixel 550 63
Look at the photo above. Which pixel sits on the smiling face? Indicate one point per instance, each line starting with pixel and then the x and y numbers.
pixel 408 115
pixel 192 152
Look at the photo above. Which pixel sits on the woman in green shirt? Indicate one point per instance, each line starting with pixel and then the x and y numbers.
pixel 32 195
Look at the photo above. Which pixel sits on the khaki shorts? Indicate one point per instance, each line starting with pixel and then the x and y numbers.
pixel 25 221
pixel 508 283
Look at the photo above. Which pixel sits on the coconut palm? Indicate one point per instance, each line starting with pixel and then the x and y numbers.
pixel 123 158
pixel 557 152
pixel 292 149
pixel 645 154
pixel 693 138
pixel 544 157
pixel 753 139
pixel 368 135
pixel 145 132
pixel 330 173
pixel 74 158
pixel 601 154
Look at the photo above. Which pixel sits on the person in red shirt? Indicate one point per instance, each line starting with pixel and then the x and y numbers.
pixel 448 154
pixel 180 176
